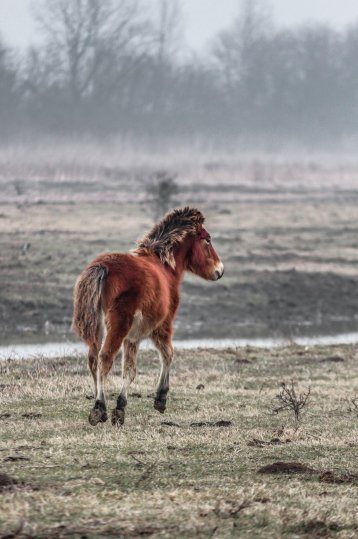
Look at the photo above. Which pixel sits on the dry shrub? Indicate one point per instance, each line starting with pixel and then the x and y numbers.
pixel 161 190
pixel 291 400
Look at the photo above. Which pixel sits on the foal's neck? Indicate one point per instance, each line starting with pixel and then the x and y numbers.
pixel 180 257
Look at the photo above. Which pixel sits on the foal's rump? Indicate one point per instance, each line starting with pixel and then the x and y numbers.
pixel 90 296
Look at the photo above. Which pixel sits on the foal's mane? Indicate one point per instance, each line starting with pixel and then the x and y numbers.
pixel 169 232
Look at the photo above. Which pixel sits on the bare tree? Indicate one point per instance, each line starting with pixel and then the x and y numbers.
pixel 168 29
pixel 167 26
pixel 240 56
pixel 234 47
pixel 78 32
pixel 162 188
pixel 10 95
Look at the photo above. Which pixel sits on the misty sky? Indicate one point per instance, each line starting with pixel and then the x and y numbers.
pixel 203 18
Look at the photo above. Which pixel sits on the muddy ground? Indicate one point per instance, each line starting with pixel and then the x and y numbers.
pixel 286 231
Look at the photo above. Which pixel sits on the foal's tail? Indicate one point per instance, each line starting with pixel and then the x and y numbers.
pixel 86 320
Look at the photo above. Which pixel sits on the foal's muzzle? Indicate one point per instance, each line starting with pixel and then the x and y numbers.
pixel 218 272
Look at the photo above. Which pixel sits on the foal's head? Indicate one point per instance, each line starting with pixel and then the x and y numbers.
pixel 180 235
pixel 203 260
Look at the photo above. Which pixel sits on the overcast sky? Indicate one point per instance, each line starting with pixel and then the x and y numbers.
pixel 204 18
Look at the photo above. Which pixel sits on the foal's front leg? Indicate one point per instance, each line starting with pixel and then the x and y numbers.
pixel 163 342
pixel 129 370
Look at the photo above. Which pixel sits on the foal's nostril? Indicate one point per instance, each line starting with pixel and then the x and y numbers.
pixel 218 273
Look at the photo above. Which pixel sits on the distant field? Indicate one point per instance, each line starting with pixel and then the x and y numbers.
pixel 286 230
pixel 182 474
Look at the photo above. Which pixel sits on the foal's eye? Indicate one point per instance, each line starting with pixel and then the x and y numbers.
pixel 208 240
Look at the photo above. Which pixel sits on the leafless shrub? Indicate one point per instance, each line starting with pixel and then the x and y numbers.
pixel 161 190
pixel 291 400
pixel 19 187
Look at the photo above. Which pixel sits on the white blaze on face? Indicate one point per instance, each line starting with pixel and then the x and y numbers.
pixel 218 271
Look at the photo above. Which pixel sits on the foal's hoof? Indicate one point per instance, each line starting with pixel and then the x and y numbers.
pixel 117 417
pixel 97 416
pixel 160 406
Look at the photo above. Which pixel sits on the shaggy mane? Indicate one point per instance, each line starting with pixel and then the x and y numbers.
pixel 169 232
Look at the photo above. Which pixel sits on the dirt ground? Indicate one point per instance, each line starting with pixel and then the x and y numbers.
pixel 222 461
pixel 286 230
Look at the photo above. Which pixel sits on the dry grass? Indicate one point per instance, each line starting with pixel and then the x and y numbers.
pixel 149 479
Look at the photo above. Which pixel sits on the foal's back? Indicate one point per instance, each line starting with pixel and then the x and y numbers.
pixel 135 283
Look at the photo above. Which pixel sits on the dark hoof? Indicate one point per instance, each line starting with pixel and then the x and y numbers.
pixel 160 406
pixel 97 416
pixel 117 417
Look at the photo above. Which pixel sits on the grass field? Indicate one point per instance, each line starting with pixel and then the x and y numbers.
pixel 187 477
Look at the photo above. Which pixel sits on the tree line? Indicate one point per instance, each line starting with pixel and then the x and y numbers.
pixel 106 67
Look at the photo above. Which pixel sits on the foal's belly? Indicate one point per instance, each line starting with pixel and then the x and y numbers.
pixel 141 327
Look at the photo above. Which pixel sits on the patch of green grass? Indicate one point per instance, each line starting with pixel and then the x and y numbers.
pixel 151 479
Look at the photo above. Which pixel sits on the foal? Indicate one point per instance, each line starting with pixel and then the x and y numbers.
pixel 125 298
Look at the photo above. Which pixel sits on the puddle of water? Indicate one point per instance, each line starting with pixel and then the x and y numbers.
pixel 52 350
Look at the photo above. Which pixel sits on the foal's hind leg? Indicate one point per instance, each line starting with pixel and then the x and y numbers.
pixel 117 328
pixel 129 370
pixel 92 364
pixel 162 340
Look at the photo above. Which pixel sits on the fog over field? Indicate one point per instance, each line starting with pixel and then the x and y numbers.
pixel 112 113
pixel 107 121
pixel 126 70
